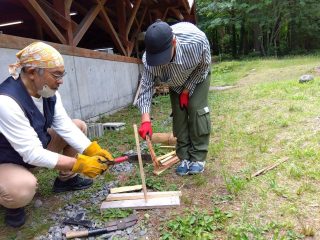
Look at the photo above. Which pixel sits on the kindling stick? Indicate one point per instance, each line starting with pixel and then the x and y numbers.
pixel 268 168
pixel 144 188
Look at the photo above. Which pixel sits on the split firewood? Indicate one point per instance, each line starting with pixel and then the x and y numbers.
pixel 170 154
pixel 173 147
pixel 152 153
pixel 171 161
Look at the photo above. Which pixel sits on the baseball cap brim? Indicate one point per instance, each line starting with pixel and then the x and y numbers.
pixel 157 59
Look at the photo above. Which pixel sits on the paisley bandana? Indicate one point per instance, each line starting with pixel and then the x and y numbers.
pixel 38 55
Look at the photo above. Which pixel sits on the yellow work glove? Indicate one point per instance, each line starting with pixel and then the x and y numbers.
pixel 89 166
pixel 94 149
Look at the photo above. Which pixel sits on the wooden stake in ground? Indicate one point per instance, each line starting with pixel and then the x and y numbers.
pixel 268 168
pixel 143 179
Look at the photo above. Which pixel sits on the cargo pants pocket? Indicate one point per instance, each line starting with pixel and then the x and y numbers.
pixel 203 121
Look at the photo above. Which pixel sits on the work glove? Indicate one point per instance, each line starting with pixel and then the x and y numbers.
pixel 89 166
pixel 94 149
pixel 184 99
pixel 144 129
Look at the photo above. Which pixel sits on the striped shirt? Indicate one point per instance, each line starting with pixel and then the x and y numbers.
pixel 189 67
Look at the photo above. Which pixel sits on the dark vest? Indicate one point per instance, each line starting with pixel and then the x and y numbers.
pixel 40 123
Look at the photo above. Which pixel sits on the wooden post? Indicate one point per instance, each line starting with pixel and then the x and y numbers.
pixel 144 188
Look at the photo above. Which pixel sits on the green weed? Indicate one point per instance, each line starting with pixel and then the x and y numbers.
pixel 258 231
pixel 198 225
pixel 234 184
pixel 108 214
pixel 45 178
pixel 221 199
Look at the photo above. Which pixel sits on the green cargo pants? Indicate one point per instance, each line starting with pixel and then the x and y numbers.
pixel 192 126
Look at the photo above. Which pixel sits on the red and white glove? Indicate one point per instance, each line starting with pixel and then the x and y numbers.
pixel 144 129
pixel 184 99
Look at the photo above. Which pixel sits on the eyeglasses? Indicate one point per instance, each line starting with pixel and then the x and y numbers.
pixel 58 76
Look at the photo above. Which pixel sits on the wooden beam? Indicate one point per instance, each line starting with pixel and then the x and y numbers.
pixel 68 4
pixel 57 16
pixel 35 9
pixel 186 6
pixel 138 30
pixel 14 42
pixel 113 34
pixel 165 14
pixel 83 11
pixel 177 13
pixel 121 16
pixel 86 23
pixel 60 13
pixel 133 16
pixel 71 27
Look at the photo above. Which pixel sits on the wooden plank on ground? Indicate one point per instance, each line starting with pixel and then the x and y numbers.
pixel 165 202
pixel 126 189
pixel 140 195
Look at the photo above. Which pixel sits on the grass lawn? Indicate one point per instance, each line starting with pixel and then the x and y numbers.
pixel 268 116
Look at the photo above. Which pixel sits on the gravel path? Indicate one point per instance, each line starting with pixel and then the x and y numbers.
pixel 71 210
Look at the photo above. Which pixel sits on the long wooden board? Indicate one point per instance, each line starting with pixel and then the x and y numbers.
pixel 139 195
pixel 162 202
pixel 126 189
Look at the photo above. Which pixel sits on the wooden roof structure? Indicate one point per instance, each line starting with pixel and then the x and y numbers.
pixel 91 24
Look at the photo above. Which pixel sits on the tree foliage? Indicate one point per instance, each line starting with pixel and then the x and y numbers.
pixel 260 27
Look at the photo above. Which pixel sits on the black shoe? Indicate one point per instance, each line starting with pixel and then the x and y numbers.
pixel 15 217
pixel 73 184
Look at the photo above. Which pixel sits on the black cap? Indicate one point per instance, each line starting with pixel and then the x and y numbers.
pixel 158 41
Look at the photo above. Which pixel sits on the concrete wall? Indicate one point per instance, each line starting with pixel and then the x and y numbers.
pixel 92 86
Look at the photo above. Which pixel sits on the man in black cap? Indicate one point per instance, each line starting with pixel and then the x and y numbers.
pixel 179 56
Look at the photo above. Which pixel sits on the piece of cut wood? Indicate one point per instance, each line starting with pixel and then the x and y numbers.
pixel 126 189
pixel 163 161
pixel 152 153
pixel 167 165
pixel 166 159
pixel 165 138
pixel 143 179
pixel 139 195
pixel 173 147
pixel 166 155
pixel 162 202
pixel 268 168
pixel 171 161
